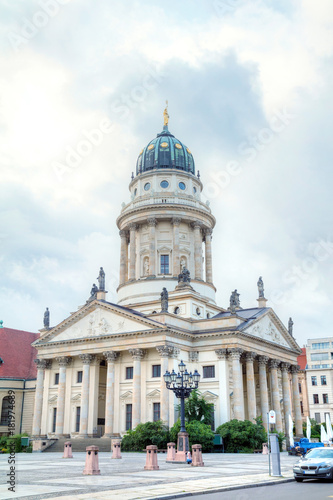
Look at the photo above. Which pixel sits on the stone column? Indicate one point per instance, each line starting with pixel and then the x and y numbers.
pixel 137 355
pixel 123 257
pixel 263 360
pixel 296 400
pixel 224 394
pixel 274 363
pixel 42 364
pixel 197 250
pixel 208 248
pixel 87 359
pixel 152 245
pixel 176 257
pixel 235 354
pixel 251 387
pixel 133 228
pixel 165 352
pixel 63 363
pixel 286 394
pixel 111 357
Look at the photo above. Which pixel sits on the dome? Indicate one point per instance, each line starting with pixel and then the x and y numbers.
pixel 165 151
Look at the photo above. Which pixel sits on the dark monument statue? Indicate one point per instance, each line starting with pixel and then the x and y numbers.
pixel 290 326
pixel 101 280
pixel 260 286
pixel 234 301
pixel 47 318
pixel 184 276
pixel 164 300
pixel 93 291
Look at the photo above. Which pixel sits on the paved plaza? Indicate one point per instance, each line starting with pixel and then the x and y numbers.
pixel 48 475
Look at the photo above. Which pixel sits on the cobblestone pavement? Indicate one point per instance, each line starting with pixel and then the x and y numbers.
pixel 40 476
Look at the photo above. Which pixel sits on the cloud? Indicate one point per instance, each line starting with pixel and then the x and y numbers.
pixel 226 77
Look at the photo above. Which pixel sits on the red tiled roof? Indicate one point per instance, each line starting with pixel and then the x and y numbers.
pixel 17 354
pixel 301 359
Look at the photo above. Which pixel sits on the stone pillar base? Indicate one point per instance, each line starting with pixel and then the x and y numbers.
pixel 171 452
pixel 92 467
pixel 182 447
pixel 197 456
pixel 151 459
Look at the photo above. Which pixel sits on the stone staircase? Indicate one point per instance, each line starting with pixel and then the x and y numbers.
pixel 80 444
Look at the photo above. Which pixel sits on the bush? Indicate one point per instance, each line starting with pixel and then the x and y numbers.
pixel 242 435
pixel 9 444
pixel 198 433
pixel 144 435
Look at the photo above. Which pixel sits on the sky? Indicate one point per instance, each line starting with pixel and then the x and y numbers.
pixel 249 91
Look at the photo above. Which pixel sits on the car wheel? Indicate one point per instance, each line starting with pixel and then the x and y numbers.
pixel 299 479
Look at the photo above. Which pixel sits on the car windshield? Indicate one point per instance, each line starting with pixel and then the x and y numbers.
pixel 320 453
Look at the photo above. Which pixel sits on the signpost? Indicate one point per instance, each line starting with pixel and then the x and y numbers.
pixel 271 419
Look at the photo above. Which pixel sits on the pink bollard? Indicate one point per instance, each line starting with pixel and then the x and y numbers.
pixel 116 449
pixel 91 467
pixel 171 454
pixel 68 450
pixel 197 455
pixel 265 448
pixel 151 459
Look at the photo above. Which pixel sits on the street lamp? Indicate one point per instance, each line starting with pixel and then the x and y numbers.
pixel 182 385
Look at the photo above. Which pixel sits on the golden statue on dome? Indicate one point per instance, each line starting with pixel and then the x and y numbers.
pixel 166 115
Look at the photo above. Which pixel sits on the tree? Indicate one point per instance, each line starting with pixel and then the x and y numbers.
pixel 198 433
pixel 197 408
pixel 242 435
pixel 144 435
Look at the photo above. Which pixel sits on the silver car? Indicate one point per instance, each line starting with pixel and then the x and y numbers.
pixel 316 464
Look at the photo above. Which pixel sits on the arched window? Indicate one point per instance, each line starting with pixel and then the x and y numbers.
pixel 5 411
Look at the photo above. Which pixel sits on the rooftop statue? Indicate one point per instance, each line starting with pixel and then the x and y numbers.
pixel 166 115
pixel 260 286
pixel 184 276
pixel 234 301
pixel 290 326
pixel 101 280
pixel 93 291
pixel 47 318
pixel 164 300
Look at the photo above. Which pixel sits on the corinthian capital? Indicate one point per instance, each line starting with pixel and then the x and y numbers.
pixel 110 356
pixel 123 233
pixel 87 359
pixel 193 356
pixel 43 364
pixel 151 221
pixel 176 221
pixel 221 353
pixel 294 369
pixel 263 360
pixel 235 353
pixel 133 226
pixel 274 363
pixel 250 356
pixel 208 231
pixel 137 354
pixel 165 351
pixel 196 224
pixel 64 360
pixel 285 367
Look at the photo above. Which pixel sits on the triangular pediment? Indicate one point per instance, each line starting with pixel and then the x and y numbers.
pixel 209 396
pixel 154 394
pixel 269 328
pixel 98 319
pixel 126 395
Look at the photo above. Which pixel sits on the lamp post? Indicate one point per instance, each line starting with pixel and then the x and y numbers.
pixel 182 385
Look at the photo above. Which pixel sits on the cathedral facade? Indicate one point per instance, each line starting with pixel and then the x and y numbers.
pixel 100 371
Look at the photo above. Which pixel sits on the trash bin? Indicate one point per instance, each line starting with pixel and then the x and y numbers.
pixel 24 441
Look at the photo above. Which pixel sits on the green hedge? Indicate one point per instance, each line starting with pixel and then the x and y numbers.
pixel 6 443
pixel 242 436
pixel 198 433
pixel 144 435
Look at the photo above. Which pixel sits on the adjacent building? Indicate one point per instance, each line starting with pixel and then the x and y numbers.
pixel 17 379
pixel 319 375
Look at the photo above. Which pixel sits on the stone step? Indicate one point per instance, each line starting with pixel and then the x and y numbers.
pixel 79 444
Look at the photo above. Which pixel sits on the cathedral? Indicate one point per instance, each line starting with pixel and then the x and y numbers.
pixel 100 371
